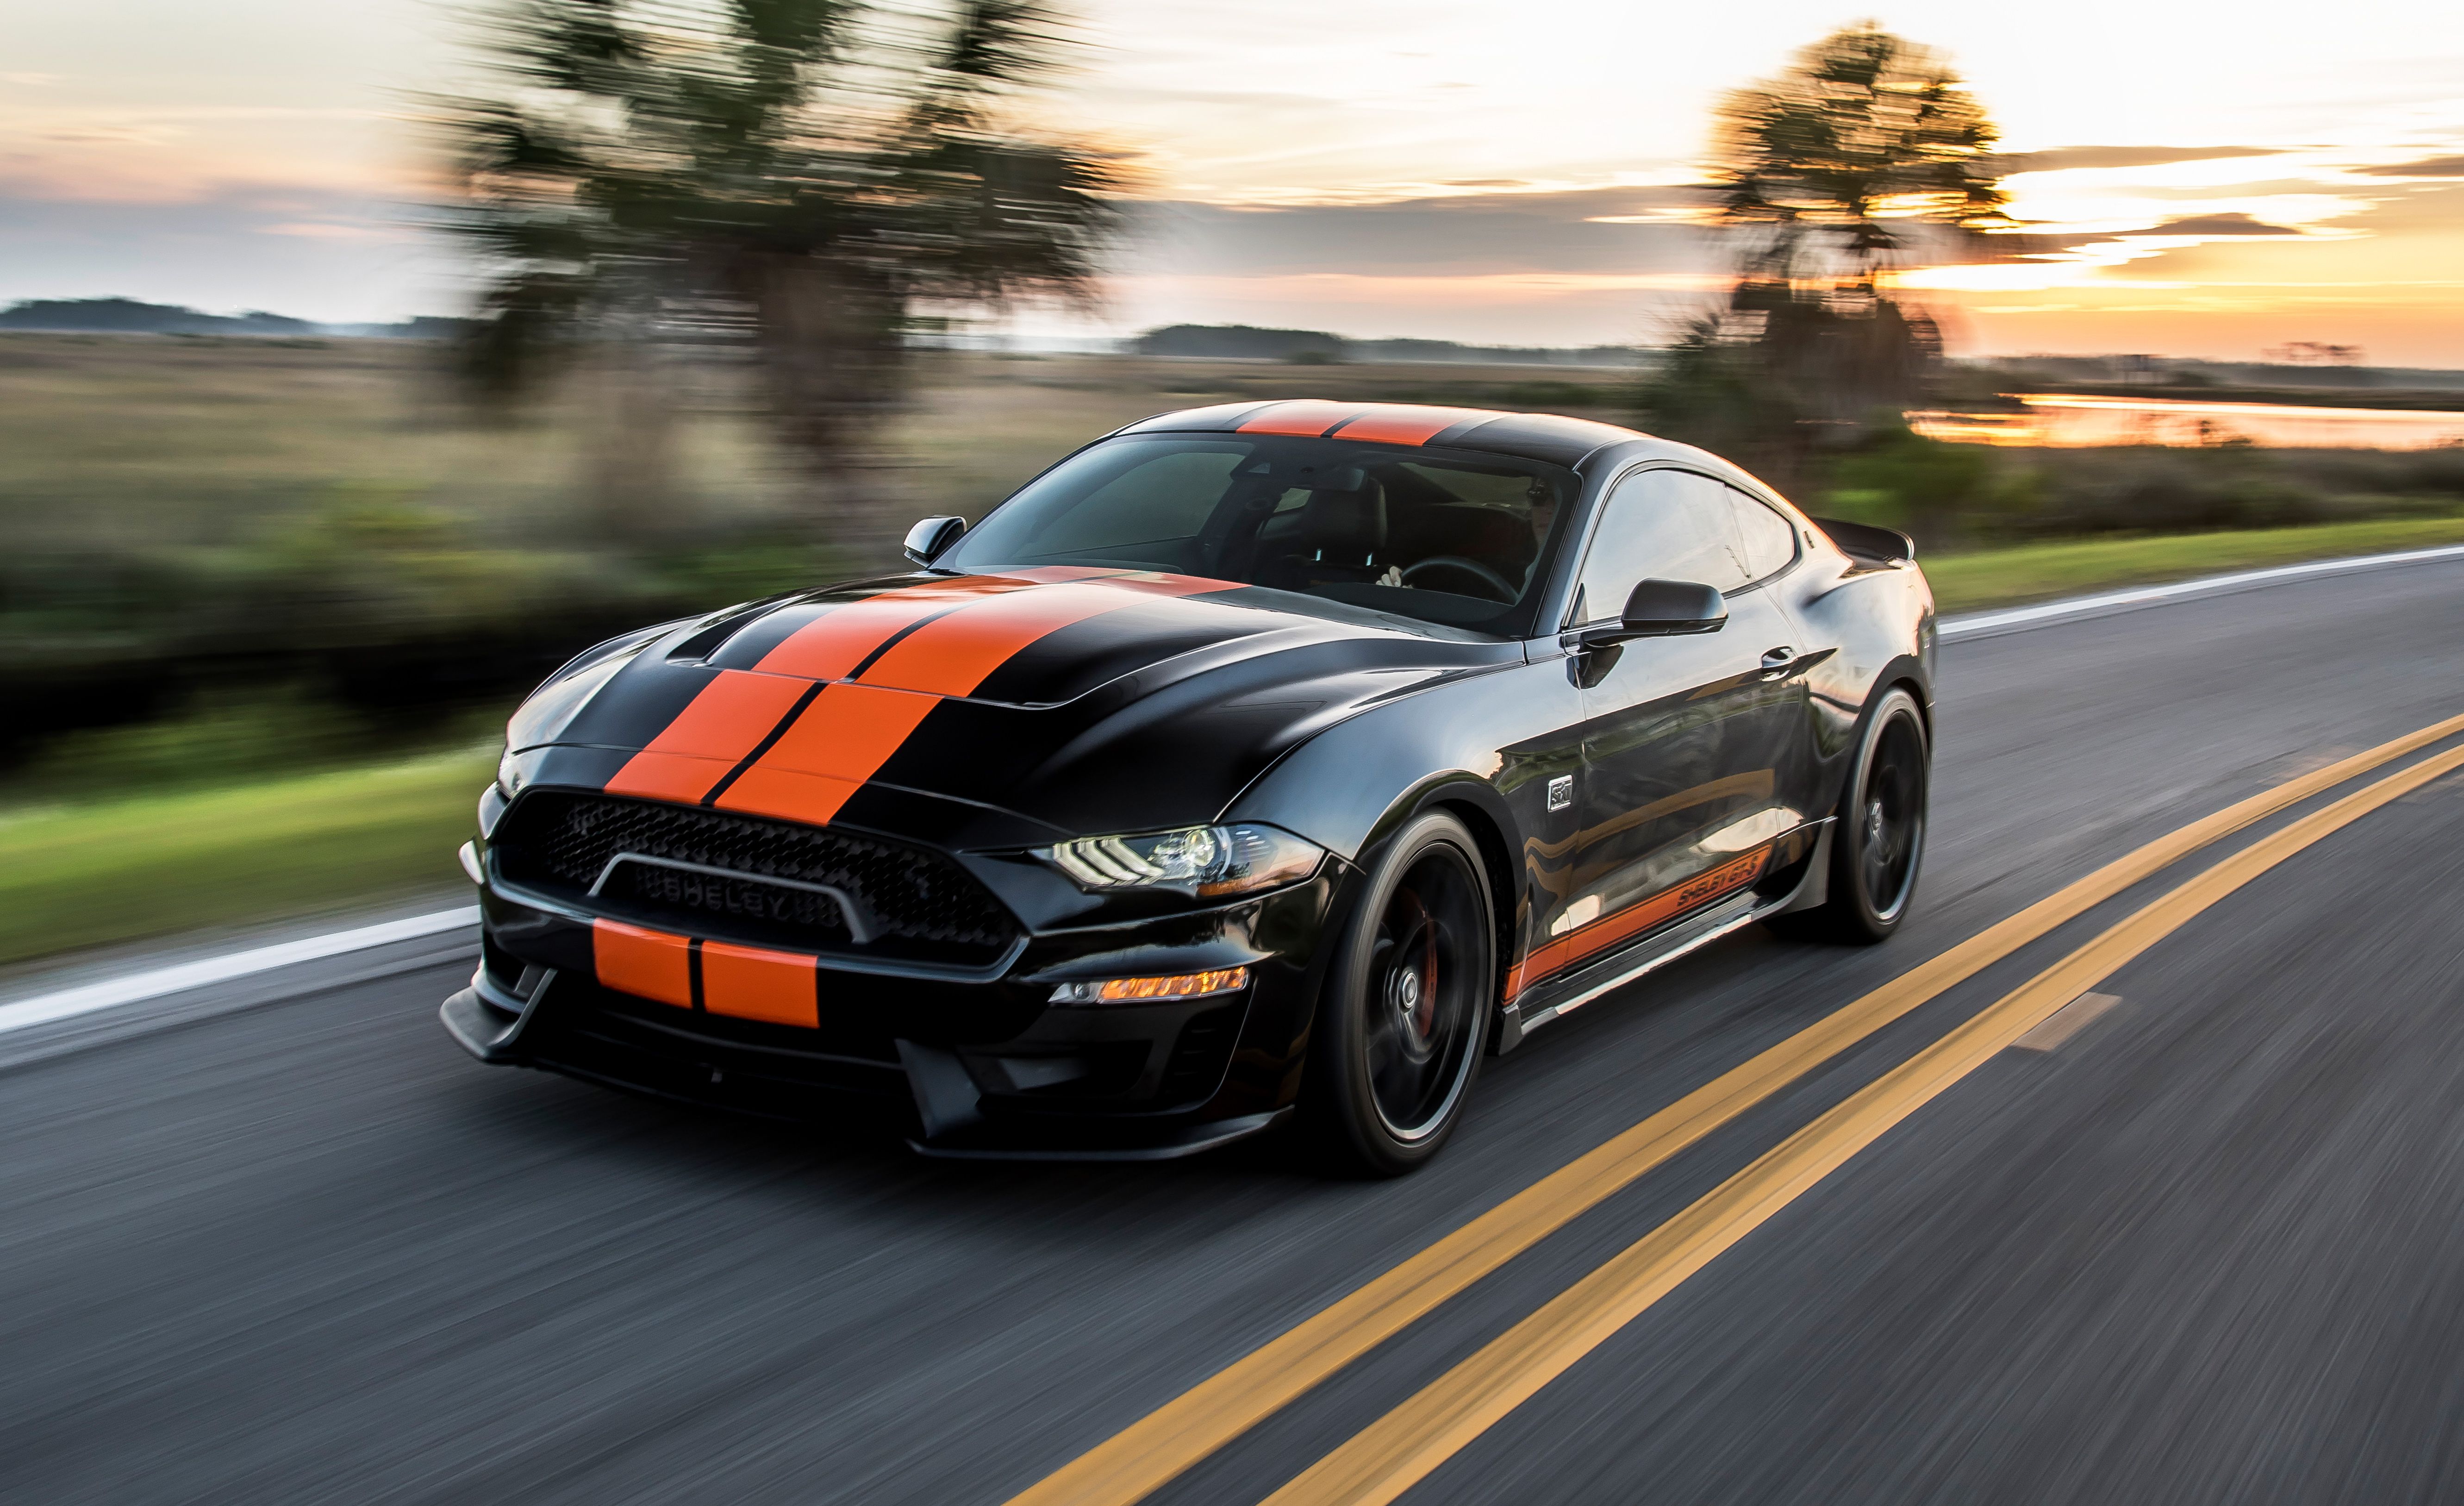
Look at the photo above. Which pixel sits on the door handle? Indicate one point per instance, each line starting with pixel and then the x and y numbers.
pixel 1785 662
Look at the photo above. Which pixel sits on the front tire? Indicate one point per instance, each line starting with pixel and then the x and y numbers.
pixel 1877 841
pixel 1407 1007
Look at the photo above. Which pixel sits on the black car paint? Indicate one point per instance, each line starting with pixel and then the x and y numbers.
pixel 1247 704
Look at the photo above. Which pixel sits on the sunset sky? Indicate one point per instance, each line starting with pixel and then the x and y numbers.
pixel 2212 180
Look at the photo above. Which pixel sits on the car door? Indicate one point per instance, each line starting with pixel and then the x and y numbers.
pixel 1695 749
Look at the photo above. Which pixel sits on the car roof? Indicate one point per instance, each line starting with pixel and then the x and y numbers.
pixel 1530 436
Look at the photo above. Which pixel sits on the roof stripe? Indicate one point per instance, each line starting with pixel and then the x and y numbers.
pixel 1308 417
pixel 1399 424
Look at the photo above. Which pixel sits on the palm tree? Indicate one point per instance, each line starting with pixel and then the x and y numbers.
pixel 1865 136
pixel 806 180
pixel 1865 153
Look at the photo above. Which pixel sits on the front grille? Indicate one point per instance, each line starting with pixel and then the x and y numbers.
pixel 917 905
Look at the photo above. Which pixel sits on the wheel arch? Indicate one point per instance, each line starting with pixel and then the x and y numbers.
pixel 1476 802
pixel 1905 673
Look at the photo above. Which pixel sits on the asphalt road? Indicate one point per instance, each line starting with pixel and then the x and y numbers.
pixel 2206 1251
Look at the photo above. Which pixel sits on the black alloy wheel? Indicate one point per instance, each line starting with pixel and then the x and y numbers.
pixel 1407 1006
pixel 1877 841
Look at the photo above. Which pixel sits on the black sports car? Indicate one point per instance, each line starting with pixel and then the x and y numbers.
pixel 1258 760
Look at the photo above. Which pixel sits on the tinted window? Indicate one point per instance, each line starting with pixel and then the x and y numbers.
pixel 1139 493
pixel 1669 525
pixel 1449 537
pixel 1768 540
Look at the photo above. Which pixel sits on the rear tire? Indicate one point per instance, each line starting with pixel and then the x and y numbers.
pixel 1877 841
pixel 1407 1007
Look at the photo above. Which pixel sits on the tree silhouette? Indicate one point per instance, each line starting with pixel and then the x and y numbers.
pixel 810 180
pixel 1863 153
pixel 1865 134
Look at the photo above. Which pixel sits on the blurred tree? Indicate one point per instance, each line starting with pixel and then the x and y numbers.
pixel 810 180
pixel 1864 138
pixel 1865 153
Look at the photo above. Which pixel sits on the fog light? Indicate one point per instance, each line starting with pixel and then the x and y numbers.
pixel 1153 990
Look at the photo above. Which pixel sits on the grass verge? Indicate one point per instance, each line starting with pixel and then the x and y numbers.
pixel 2041 571
pixel 150 865
pixel 118 869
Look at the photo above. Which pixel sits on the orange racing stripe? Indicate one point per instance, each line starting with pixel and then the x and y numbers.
pixel 648 964
pixel 834 643
pixel 1307 417
pixel 847 734
pixel 1563 951
pixel 751 983
pixel 1407 425
pixel 852 728
pixel 952 655
pixel 731 715
pixel 725 721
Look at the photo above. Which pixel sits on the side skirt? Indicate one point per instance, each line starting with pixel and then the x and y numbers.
pixel 1519 1019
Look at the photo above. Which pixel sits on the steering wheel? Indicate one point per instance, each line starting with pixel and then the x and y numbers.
pixel 1498 585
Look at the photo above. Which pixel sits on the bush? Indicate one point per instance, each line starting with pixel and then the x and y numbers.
pixel 1920 486
pixel 1961 495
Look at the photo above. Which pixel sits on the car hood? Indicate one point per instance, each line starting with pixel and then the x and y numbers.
pixel 981 709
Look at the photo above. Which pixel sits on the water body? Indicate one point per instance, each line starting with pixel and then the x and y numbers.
pixel 2065 420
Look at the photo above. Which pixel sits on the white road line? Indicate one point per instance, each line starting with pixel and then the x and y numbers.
pixel 2088 606
pixel 44 1007
pixel 158 981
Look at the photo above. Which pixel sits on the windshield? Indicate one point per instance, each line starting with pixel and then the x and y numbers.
pixel 1446 537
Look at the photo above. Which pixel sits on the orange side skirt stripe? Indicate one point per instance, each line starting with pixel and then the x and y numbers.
pixel 1561 952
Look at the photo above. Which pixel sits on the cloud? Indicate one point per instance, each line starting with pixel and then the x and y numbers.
pixel 321 229
pixel 1596 230
pixel 2427 167
pixel 2063 159
pixel 334 256
pixel 2234 223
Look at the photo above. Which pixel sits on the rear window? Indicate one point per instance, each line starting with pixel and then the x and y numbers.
pixel 1455 538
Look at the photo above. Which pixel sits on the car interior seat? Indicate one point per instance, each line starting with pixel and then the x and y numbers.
pixel 1342 528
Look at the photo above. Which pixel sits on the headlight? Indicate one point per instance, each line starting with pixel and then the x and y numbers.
pixel 1205 860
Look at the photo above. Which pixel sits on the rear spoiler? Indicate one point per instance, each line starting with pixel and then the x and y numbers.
pixel 1867 543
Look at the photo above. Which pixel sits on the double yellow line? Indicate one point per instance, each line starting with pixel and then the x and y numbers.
pixel 1387 1457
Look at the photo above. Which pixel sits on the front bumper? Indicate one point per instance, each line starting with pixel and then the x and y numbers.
pixel 979 1068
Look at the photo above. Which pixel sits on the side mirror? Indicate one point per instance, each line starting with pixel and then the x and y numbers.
pixel 932 536
pixel 1662 610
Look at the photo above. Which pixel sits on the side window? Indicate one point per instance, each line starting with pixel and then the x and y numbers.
pixel 1671 526
pixel 1767 539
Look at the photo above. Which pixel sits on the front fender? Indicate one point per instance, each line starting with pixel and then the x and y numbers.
pixel 1492 742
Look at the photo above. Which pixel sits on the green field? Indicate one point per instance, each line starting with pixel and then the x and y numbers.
pixel 119 870
pixel 2041 571
pixel 153 865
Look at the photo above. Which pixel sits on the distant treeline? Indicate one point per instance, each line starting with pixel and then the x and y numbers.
pixel 130 316
pixel 2189 371
pixel 1317 346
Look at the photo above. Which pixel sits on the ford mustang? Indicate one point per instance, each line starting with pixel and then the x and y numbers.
pixel 1259 762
